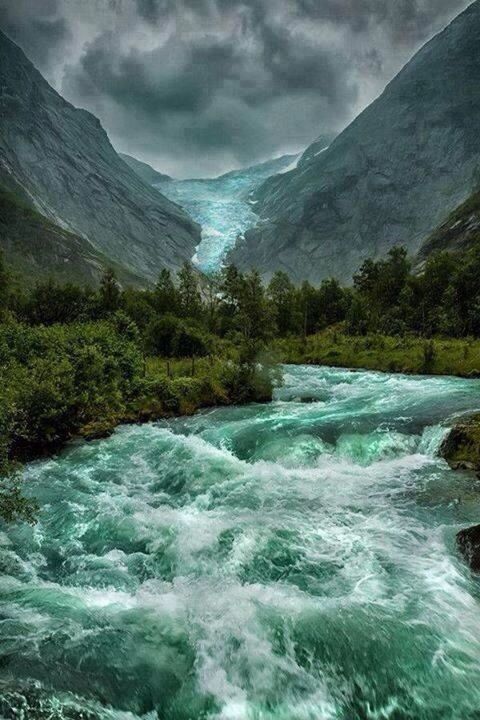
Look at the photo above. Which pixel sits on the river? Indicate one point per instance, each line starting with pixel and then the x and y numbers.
pixel 294 561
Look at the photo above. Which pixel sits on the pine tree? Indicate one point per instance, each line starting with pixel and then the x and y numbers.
pixel 188 292
pixel 109 292
pixel 165 295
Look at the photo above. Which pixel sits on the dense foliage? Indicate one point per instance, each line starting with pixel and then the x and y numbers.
pixel 73 357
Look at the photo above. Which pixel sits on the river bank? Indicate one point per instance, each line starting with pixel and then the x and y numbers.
pixel 95 380
pixel 82 380
pixel 179 387
pixel 409 355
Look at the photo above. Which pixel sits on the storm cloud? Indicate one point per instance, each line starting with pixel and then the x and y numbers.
pixel 197 87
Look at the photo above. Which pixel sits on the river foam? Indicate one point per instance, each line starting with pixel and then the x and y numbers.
pixel 294 560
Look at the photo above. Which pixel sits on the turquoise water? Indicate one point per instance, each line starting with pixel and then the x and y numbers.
pixel 294 560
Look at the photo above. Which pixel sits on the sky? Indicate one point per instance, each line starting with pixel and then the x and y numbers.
pixel 198 87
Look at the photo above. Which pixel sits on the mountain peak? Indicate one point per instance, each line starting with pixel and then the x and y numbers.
pixel 62 159
pixel 389 178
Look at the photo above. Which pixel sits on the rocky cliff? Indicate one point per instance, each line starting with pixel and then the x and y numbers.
pixel 144 170
pixel 390 178
pixel 62 159
pixel 459 232
pixel 36 248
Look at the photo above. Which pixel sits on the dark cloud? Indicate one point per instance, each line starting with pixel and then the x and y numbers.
pixel 39 27
pixel 153 10
pixel 197 86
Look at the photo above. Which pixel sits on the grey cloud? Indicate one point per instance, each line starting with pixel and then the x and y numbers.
pixel 38 27
pixel 196 86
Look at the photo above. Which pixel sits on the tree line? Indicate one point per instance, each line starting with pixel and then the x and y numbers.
pixel 183 314
pixel 71 355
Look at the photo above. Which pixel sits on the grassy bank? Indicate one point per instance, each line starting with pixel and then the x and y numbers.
pixel 83 379
pixel 180 386
pixel 408 354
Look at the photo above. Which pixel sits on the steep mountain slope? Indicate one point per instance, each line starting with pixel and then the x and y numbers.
pixel 389 178
pixel 459 232
pixel 36 248
pixel 318 147
pixel 144 171
pixel 63 160
pixel 223 206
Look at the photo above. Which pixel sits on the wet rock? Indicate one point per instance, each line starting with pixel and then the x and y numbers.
pixel 468 542
pixel 98 430
pixel 461 447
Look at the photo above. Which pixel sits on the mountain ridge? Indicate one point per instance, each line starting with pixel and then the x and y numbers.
pixel 389 178
pixel 63 160
pixel 144 170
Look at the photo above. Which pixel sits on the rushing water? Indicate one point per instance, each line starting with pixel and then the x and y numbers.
pixel 293 560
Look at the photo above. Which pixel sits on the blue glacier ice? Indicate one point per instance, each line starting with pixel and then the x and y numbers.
pixel 222 206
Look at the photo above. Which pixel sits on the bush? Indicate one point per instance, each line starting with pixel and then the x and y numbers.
pixel 160 335
pixel 55 379
pixel 190 341
pixel 168 336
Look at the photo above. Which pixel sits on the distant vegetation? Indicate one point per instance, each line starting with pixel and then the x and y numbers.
pixel 76 361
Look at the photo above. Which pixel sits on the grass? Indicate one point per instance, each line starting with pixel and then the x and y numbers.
pixel 179 386
pixel 409 354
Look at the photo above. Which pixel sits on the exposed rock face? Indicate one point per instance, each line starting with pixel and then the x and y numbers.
pixel 390 178
pixel 458 233
pixel 35 247
pixel 62 159
pixel 144 170
pixel 468 542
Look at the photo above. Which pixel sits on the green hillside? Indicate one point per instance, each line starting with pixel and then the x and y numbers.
pixel 36 247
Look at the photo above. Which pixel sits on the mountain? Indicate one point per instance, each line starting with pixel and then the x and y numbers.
pixel 254 175
pixel 459 232
pixel 315 149
pixel 223 206
pixel 34 247
pixel 144 171
pixel 390 178
pixel 63 161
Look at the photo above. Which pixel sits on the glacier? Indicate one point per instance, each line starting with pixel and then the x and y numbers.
pixel 222 206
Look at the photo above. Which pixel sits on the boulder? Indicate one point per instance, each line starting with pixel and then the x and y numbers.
pixel 468 542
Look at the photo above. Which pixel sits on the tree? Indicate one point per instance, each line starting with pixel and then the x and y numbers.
pixel 165 297
pixel 254 317
pixel 230 288
pixel 309 310
pixel 4 286
pixel 109 292
pixel 51 303
pixel 160 335
pixel 333 302
pixel 190 302
pixel 138 305
pixel 190 341
pixel 281 293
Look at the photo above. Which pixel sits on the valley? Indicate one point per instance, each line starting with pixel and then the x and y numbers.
pixel 223 207
pixel 239 408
